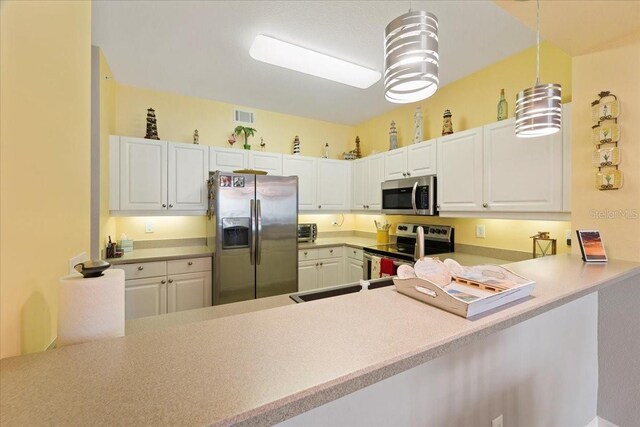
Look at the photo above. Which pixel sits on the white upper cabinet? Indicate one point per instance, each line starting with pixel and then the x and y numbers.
pixel 521 174
pixel 460 171
pixel 376 177
pixel 157 177
pixel 305 168
pixel 143 174
pixel 227 159
pixel 367 175
pixel 413 160
pixel 269 162
pixel 333 184
pixel 187 171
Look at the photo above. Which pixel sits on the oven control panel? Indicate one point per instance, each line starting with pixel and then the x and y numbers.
pixel 431 232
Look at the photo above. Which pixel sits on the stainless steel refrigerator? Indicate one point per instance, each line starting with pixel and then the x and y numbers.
pixel 253 229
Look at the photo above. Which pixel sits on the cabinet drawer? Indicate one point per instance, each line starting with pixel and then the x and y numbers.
pixel 143 269
pixel 188 265
pixel 354 253
pixel 306 254
pixel 335 252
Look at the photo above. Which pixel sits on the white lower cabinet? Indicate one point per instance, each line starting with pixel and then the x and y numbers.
pixel 160 287
pixel 318 268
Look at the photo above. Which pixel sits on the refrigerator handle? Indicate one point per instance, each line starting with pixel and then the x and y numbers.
pixel 259 223
pixel 252 226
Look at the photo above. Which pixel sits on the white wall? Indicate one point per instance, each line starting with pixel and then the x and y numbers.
pixel 542 372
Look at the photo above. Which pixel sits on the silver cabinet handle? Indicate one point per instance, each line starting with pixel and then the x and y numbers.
pixel 319 206
pixel 404 174
pixel 140 268
pixel 164 205
pixel 170 206
pixel 485 205
pixel 408 173
pixel 354 252
pixel 170 280
pixel 190 263
pixel 163 281
pixel 305 252
pixel 317 264
pixel 320 264
pixel 330 251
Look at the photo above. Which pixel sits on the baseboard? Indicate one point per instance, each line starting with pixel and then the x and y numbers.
pixel 600 422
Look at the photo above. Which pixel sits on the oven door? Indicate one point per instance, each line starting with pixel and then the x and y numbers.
pixel 366 264
pixel 410 196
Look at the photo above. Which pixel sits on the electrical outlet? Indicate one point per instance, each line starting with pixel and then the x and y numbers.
pixel 567 236
pixel 81 257
pixel 480 232
pixel 497 421
pixel 148 227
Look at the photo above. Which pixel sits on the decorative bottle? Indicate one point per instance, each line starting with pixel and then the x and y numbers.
pixel 503 108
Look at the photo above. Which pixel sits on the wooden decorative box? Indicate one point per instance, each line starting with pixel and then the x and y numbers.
pixel 479 289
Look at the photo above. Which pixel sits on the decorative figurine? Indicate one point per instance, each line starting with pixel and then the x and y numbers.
pixel 231 140
pixel 503 108
pixel 393 136
pixel 247 132
pixel 447 125
pixel 263 144
pixel 152 126
pixel 417 124
pixel 296 145
pixel 357 150
pixel 196 137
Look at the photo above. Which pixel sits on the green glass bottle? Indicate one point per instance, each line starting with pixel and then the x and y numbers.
pixel 503 108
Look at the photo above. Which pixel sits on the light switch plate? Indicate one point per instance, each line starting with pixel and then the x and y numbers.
pixel 480 232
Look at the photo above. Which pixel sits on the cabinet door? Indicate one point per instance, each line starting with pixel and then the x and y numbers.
pixel 143 174
pixel 270 162
pixel 566 158
pixel 188 291
pixel 227 159
pixel 307 275
pixel 521 174
pixel 395 164
pixel 330 272
pixel 353 271
pixel 333 184
pixel 460 171
pixel 422 159
pixel 145 297
pixel 359 184
pixel 305 169
pixel 376 177
pixel 188 171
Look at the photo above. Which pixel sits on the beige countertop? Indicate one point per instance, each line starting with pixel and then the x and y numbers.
pixel 262 367
pixel 353 241
pixel 161 254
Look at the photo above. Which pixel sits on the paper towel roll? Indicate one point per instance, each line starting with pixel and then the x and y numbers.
pixel 92 308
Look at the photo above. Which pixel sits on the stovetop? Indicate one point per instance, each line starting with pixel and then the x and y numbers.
pixel 438 239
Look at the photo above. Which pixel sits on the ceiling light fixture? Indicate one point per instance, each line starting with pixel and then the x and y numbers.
pixel 539 108
pixel 286 55
pixel 411 59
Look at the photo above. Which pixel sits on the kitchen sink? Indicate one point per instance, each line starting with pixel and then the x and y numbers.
pixel 339 290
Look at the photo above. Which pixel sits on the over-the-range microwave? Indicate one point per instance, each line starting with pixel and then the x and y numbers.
pixel 410 196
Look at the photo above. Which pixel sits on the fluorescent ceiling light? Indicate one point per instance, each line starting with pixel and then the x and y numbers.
pixel 287 55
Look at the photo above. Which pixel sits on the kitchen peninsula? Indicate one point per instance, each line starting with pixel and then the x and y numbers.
pixel 264 367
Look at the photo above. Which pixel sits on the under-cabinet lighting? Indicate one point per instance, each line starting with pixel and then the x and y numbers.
pixel 287 55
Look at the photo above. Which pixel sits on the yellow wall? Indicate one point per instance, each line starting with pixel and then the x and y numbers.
pixel 472 100
pixel 45 75
pixel 164 227
pixel 107 127
pixel 617 70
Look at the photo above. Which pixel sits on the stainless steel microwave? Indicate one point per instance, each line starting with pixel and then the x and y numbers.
pixel 410 196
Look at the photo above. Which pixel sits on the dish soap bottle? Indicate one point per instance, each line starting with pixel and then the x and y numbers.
pixel 326 151
pixel 503 108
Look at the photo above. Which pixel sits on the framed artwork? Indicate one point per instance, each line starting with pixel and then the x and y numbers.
pixel 591 246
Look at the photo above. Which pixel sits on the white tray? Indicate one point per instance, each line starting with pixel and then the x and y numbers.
pixel 487 296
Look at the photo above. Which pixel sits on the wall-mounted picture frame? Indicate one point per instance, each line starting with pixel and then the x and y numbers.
pixel 591 246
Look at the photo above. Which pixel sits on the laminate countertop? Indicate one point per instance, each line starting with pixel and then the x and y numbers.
pixel 263 367
pixel 161 254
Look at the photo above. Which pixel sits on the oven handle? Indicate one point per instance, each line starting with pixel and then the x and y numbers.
pixel 413 197
pixel 396 262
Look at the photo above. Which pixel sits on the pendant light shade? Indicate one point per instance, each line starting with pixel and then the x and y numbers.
pixel 411 58
pixel 538 108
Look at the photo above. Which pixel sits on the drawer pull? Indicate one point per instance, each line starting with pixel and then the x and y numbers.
pixel 170 280
pixel 330 251
pixel 190 263
pixel 140 268
pixel 163 281
pixel 320 264
pixel 305 252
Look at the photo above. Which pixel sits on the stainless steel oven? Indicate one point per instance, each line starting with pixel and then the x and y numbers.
pixel 410 196
pixel 367 260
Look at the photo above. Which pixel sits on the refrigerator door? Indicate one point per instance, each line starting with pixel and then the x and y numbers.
pixel 277 240
pixel 234 263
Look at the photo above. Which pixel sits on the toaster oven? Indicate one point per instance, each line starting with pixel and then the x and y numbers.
pixel 307 232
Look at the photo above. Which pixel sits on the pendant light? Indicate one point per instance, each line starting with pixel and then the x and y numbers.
pixel 539 108
pixel 411 58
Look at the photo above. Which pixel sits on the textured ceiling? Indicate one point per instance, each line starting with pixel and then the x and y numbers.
pixel 201 48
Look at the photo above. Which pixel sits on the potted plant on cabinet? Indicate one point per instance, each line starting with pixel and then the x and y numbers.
pixel 247 132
